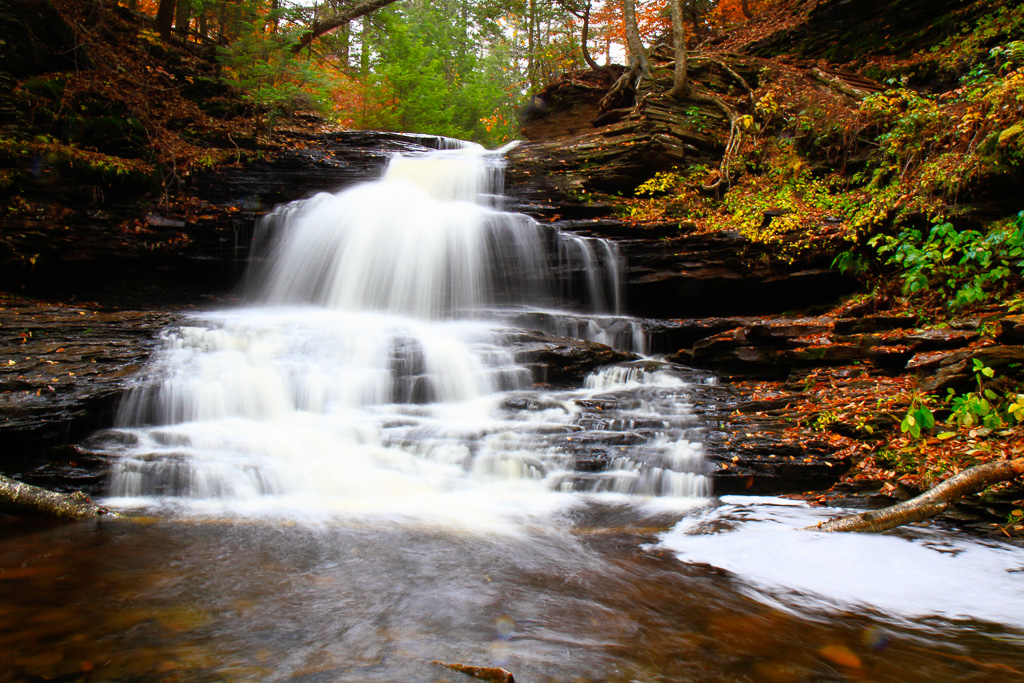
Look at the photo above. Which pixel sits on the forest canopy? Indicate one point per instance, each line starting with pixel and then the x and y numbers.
pixel 453 67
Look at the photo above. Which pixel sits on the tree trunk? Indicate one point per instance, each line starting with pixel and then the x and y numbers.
pixel 345 47
pixel 531 45
pixel 838 85
pixel 745 8
pixel 364 48
pixel 680 85
pixel 931 502
pixel 182 17
pixel 275 15
pixel 23 500
pixel 586 50
pixel 637 54
pixel 165 18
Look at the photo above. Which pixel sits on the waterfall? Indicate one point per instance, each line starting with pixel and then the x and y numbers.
pixel 373 368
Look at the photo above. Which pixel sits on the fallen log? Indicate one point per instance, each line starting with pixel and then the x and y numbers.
pixel 24 500
pixel 929 503
pixel 838 85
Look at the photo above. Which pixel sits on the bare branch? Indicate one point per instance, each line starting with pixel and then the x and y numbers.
pixel 338 19
pixel 929 503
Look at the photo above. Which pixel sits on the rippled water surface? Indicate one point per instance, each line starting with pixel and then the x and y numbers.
pixel 595 591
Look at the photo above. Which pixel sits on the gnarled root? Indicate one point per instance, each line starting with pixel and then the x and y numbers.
pixel 931 502
pixel 622 90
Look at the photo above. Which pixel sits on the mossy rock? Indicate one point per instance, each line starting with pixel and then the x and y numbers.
pixel 121 136
pixel 47 87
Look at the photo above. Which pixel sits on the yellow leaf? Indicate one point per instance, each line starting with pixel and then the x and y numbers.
pixel 840 655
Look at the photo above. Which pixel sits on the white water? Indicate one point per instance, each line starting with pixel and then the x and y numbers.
pixel 918 574
pixel 372 372
pixel 373 375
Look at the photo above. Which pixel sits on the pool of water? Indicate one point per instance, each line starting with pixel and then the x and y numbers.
pixel 597 588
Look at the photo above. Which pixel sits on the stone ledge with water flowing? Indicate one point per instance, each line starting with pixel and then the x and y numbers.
pixel 380 355
pixel 555 295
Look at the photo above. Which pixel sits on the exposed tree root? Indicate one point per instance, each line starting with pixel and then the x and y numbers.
pixel 622 90
pixel 23 500
pixel 931 502
pixel 732 72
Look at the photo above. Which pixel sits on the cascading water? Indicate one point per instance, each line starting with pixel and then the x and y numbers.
pixel 376 364
pixel 376 380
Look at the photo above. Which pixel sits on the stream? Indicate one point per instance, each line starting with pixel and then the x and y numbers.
pixel 359 471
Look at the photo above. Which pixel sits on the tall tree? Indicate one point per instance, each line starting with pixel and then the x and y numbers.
pixel 183 17
pixel 165 18
pixel 638 62
pixel 680 83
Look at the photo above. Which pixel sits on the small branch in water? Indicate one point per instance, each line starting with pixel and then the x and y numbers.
pixel 484 673
pixel 23 500
pixel 929 503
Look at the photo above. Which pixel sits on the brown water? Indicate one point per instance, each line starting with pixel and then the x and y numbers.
pixel 584 598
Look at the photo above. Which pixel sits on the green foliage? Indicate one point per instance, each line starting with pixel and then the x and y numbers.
pixel 1001 25
pixel 260 63
pixel 919 418
pixel 850 263
pixel 984 407
pixel 434 77
pixel 964 266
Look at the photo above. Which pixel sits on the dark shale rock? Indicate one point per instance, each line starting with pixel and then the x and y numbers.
pixel 874 323
pixel 748 450
pixel 61 371
pixel 668 336
pixel 1011 330
pixel 575 148
pixel 100 253
pixel 562 361
pixel 674 275
pixel 955 370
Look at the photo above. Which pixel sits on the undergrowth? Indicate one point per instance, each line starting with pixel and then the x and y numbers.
pixel 888 184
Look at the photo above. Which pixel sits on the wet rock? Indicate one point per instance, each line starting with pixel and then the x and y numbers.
pixel 101 252
pixel 562 361
pixel 722 274
pixel 61 371
pixel 751 448
pixel 769 348
pixel 1011 330
pixel 926 340
pixel 668 336
pixel 874 323
pixel 955 370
